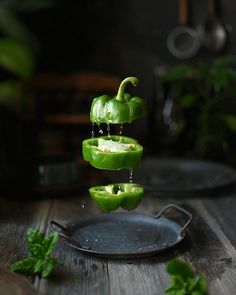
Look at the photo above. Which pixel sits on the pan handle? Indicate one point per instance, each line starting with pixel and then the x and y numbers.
pixel 183 12
pixel 178 208
pixel 61 230
pixel 55 226
pixel 211 7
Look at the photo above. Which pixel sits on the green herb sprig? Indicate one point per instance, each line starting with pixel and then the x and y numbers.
pixel 40 248
pixel 184 280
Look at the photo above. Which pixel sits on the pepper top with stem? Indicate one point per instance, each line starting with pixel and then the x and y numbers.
pixel 122 108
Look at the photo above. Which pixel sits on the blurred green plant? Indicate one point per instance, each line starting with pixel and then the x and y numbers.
pixel 201 91
pixel 18 50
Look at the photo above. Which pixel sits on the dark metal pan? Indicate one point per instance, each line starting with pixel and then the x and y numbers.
pixel 212 32
pixel 124 235
pixel 183 41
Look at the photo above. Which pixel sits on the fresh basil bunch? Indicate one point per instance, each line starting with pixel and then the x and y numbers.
pixel 184 280
pixel 40 248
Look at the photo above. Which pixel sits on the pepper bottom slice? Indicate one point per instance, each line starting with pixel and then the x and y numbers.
pixel 113 196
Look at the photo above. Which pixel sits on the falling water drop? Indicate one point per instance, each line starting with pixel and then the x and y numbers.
pixel 93 132
pixel 82 204
pixel 108 130
pixel 121 129
pixel 100 130
pixel 131 171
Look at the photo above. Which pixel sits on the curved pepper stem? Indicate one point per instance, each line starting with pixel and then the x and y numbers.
pixel 121 90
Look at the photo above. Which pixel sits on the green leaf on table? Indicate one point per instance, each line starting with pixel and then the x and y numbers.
pixel 201 284
pixel 182 269
pixel 197 293
pixel 49 243
pixel 39 266
pixel 40 248
pixel 177 285
pixel 35 239
pixel 16 57
pixel 25 266
pixel 48 267
pixel 184 280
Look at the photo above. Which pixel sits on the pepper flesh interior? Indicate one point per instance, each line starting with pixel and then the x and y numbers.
pixel 106 145
pixel 114 189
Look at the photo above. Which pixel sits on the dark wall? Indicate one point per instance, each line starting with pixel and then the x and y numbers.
pixel 121 37
pixel 118 37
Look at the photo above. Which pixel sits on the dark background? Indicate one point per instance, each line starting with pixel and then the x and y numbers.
pixel 121 38
pixel 117 37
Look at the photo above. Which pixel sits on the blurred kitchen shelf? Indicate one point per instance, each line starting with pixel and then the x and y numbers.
pixel 62 103
pixel 67 119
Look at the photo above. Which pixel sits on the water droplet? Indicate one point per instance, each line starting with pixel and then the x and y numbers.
pixel 96 240
pixel 83 203
pixel 121 129
pixel 131 171
pixel 93 132
pixel 108 130
pixel 86 240
pixel 164 245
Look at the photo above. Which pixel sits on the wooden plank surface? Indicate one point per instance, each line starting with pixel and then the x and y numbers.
pixel 209 247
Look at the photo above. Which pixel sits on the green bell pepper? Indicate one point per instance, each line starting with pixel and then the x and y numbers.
pixel 122 108
pixel 112 152
pixel 113 196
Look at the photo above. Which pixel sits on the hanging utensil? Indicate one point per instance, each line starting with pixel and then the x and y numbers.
pixel 183 41
pixel 212 33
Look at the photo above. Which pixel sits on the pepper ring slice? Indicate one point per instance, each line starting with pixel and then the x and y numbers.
pixel 112 152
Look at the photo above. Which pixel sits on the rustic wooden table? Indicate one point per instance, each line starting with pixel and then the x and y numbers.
pixel 209 247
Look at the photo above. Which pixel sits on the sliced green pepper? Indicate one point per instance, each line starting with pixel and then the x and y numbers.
pixel 113 196
pixel 122 108
pixel 112 152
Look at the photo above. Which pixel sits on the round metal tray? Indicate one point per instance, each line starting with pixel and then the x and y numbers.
pixel 177 177
pixel 124 235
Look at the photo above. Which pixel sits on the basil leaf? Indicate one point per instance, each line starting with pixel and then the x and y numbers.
pixel 40 248
pixel 198 293
pixel 184 280
pixel 48 267
pixel 39 266
pixel 34 236
pixel 176 267
pixel 24 266
pixel 49 243
pixel 201 284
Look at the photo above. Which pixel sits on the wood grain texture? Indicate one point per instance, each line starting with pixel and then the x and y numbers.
pixel 79 274
pixel 209 247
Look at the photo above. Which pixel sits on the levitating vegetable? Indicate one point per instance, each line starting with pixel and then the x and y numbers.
pixel 113 196
pixel 40 248
pixel 112 152
pixel 122 108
